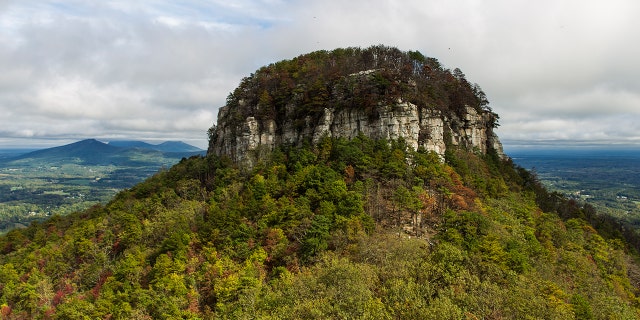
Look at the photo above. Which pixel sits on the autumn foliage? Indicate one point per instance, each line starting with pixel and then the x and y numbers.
pixel 346 229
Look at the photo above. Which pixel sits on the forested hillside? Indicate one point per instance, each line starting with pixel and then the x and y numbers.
pixel 73 177
pixel 380 92
pixel 424 218
pixel 326 78
pixel 356 228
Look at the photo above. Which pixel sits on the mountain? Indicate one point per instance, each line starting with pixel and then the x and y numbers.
pixel 13 153
pixel 371 225
pixel 379 92
pixel 65 179
pixel 167 146
pixel 92 151
pixel 89 150
pixel 176 146
pixel 131 144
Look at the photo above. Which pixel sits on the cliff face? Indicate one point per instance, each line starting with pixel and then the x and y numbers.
pixel 253 122
pixel 246 141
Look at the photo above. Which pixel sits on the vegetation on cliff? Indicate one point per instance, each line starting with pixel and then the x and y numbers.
pixel 343 229
pixel 74 177
pixel 298 90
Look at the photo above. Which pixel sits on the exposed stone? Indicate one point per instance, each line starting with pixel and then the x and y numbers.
pixel 248 140
pixel 380 92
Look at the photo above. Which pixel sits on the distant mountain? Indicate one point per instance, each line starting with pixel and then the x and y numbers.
pixel 379 92
pixel 130 144
pixel 92 151
pixel 167 146
pixel 89 150
pixel 177 146
pixel 384 224
pixel 12 153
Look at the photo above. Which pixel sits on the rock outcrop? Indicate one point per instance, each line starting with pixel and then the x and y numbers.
pixel 245 142
pixel 249 128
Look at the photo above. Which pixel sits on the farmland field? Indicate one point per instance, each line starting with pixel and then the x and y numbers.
pixel 33 189
pixel 607 179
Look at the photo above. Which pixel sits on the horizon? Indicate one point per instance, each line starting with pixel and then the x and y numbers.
pixel 553 71
pixel 52 143
pixel 515 147
pixel 566 146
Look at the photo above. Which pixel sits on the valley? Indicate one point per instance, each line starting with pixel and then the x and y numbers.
pixel 351 184
pixel 607 179
pixel 35 185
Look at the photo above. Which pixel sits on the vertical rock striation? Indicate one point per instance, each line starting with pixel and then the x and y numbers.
pixel 378 92
pixel 245 142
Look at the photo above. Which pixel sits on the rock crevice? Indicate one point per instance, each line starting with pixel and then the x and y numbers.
pixel 379 92
pixel 246 141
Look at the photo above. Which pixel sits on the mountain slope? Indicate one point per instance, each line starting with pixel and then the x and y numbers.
pixel 357 227
pixel 380 92
pixel 167 146
pixel 347 229
pixel 73 177
pixel 94 152
pixel 176 146
pixel 87 150
pixel 131 144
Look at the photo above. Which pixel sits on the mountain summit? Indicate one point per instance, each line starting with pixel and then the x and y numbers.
pixel 167 146
pixel 380 92
pixel 88 150
pixel 92 151
pixel 385 197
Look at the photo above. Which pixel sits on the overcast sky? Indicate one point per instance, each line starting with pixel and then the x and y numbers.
pixel 556 71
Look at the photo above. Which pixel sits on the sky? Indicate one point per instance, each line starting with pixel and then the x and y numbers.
pixel 558 73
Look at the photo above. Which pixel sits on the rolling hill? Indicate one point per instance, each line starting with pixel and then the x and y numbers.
pixel 72 177
pixel 94 152
pixel 167 146
pixel 292 215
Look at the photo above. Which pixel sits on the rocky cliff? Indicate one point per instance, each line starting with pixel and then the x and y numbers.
pixel 333 94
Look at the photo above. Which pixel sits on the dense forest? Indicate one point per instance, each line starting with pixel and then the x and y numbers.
pixel 73 177
pixel 343 229
pixel 301 88
pixel 356 228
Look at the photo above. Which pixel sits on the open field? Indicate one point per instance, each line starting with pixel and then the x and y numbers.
pixel 34 189
pixel 607 179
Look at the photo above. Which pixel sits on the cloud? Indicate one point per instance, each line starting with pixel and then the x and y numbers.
pixel 69 72
pixel 553 70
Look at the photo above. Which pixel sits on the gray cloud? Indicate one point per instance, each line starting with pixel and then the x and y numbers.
pixel 554 71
